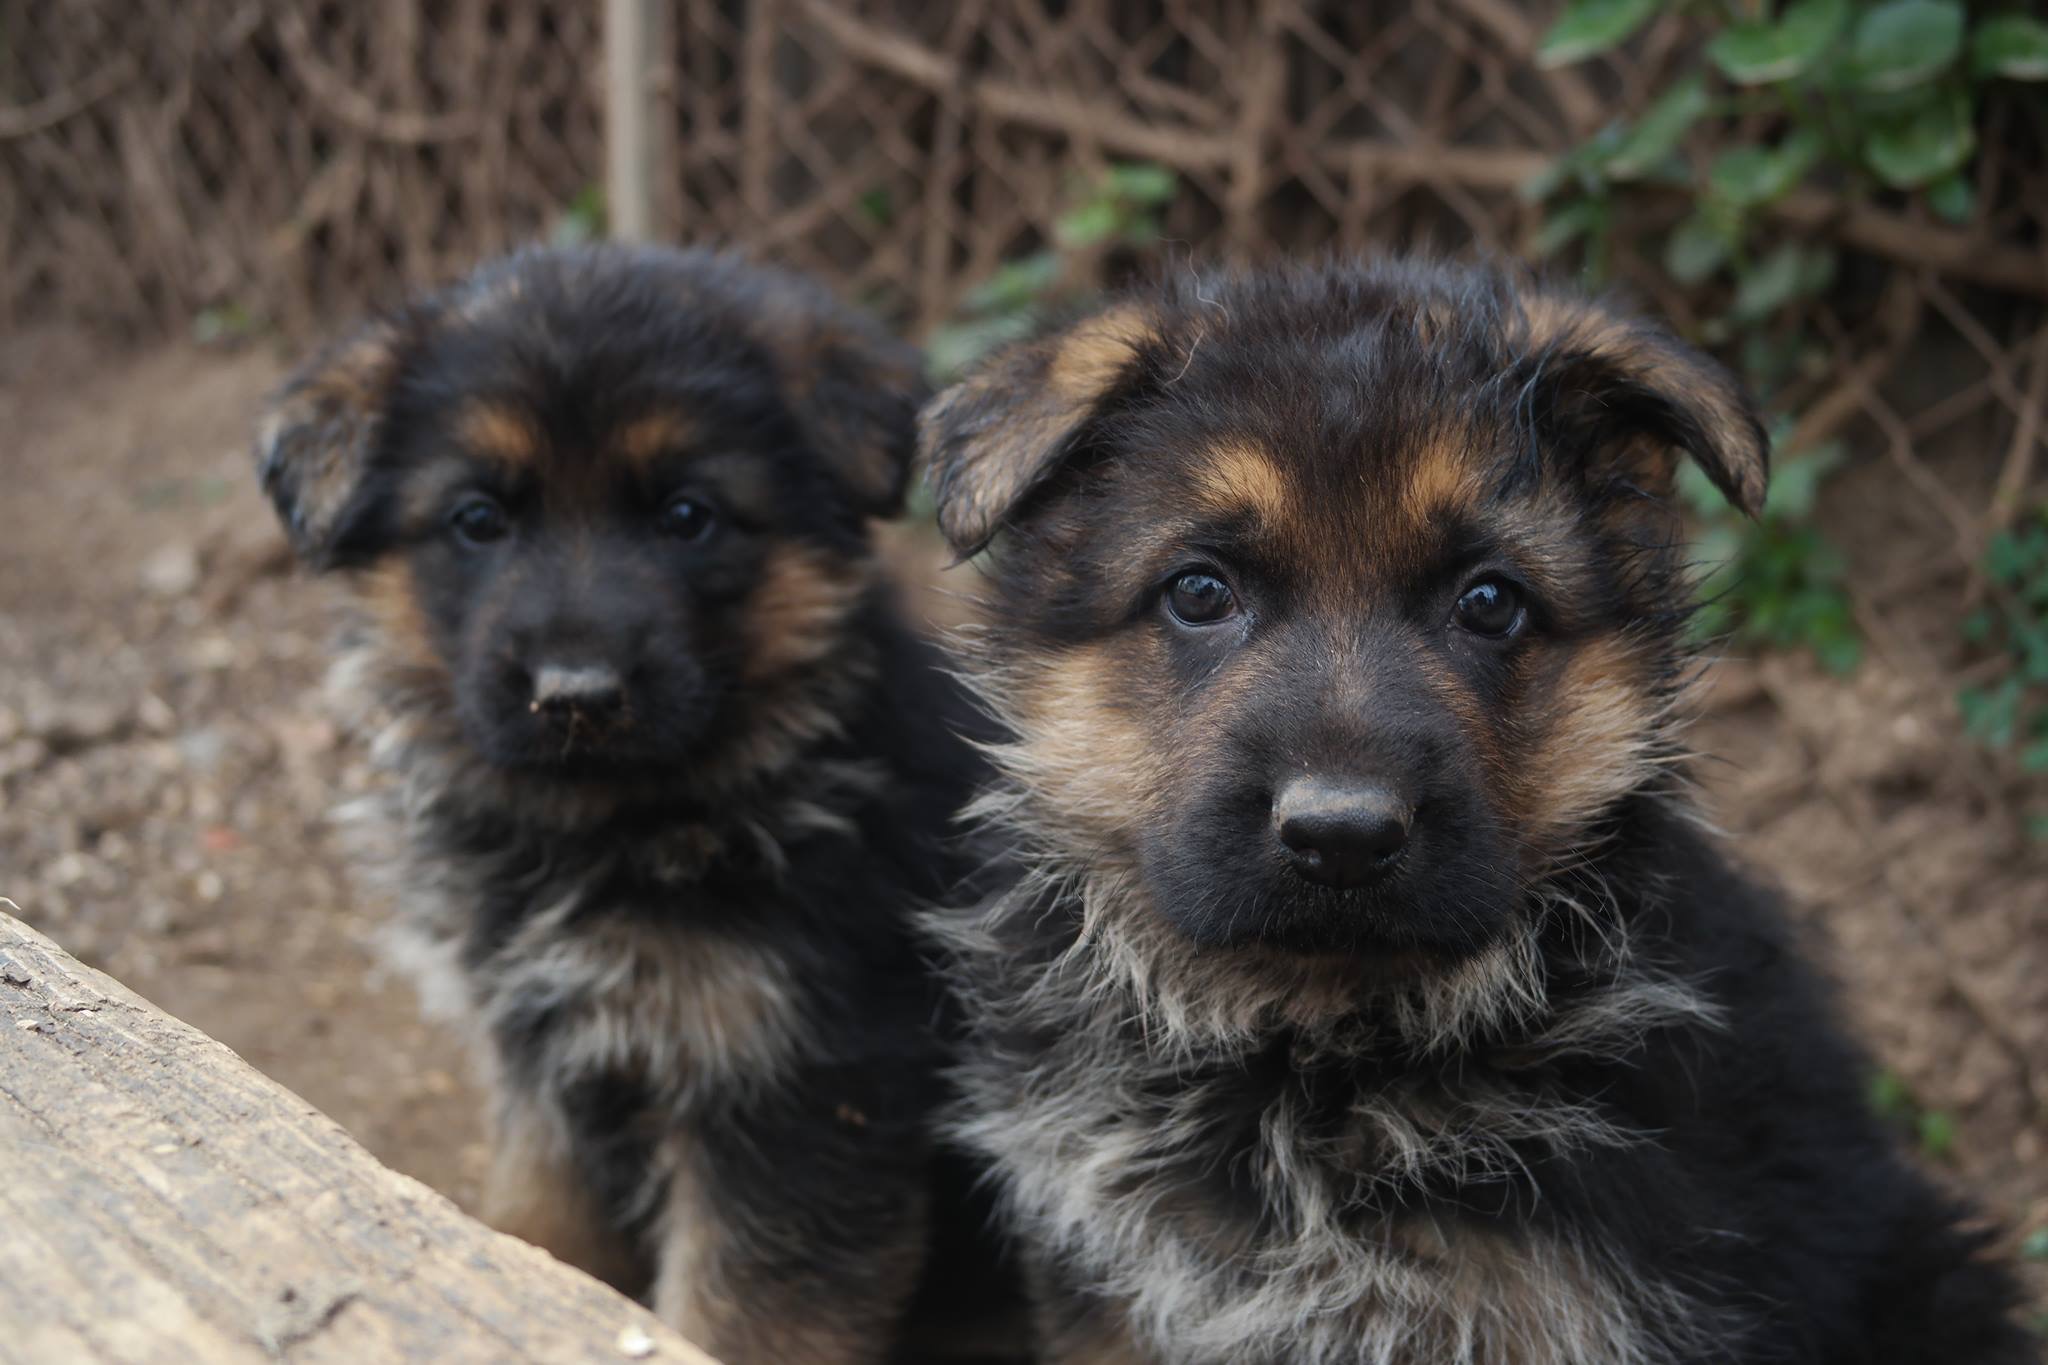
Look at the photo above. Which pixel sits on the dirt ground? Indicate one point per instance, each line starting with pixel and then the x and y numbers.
pixel 166 769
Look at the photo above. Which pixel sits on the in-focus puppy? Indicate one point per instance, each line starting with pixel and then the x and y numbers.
pixel 669 775
pixel 1367 988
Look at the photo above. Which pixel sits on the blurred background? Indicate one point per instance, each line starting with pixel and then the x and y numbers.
pixel 1845 199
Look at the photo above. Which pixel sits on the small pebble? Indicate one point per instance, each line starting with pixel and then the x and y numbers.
pixel 172 571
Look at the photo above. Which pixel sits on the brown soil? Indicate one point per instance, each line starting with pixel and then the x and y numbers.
pixel 166 769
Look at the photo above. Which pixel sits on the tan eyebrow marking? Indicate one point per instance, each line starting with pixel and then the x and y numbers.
pixel 1239 477
pixel 500 431
pixel 652 436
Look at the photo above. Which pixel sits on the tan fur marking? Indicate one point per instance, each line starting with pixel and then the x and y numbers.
pixel 798 614
pixel 1093 355
pixel 499 431
pixel 1084 753
pixel 646 439
pixel 535 1193
pixel 1443 480
pixel 1042 398
pixel 1242 478
pixel 317 433
pixel 1591 749
pixel 390 599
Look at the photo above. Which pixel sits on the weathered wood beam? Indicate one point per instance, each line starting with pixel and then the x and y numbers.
pixel 162 1201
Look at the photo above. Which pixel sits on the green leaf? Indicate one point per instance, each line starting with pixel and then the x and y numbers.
pixel 1016 284
pixel 2005 557
pixel 2035 1248
pixel 1954 198
pixel 1889 1095
pixel 2012 46
pixel 1937 1132
pixel 1550 179
pixel 1923 146
pixel 1756 53
pixel 1089 224
pixel 1588 27
pixel 1747 177
pixel 1144 182
pixel 1906 43
pixel 2034 756
pixel 1769 359
pixel 1696 249
pixel 1795 483
pixel 952 348
pixel 1657 133
pixel 1771 283
pixel 1992 716
pixel 582 219
pixel 877 207
pixel 1837 647
pixel 1565 226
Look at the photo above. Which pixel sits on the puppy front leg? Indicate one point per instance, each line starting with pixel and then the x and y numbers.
pixel 535 1192
pixel 756 1278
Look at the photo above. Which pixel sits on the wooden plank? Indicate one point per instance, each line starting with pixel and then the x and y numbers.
pixel 162 1202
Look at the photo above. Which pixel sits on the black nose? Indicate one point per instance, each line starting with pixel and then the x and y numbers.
pixel 586 691
pixel 1340 834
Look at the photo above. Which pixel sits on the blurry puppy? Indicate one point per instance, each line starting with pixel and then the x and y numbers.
pixel 669 775
pixel 1367 987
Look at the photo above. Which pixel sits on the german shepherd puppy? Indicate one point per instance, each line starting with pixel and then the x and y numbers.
pixel 1366 987
pixel 669 775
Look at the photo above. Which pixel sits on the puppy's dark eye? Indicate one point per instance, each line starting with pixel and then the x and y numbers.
pixel 1200 599
pixel 688 519
pixel 1493 607
pixel 478 521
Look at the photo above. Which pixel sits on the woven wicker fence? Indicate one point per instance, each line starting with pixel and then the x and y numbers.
pixel 291 161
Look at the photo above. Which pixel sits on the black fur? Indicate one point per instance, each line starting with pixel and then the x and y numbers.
pixel 1554 1086
pixel 675 910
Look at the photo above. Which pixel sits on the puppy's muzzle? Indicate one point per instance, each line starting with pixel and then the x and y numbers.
pixel 1341 834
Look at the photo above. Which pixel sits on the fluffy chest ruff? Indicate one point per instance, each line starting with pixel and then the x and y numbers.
pixel 1238 1182
pixel 573 938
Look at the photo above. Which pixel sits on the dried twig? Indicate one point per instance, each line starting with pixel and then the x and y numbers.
pixel 351 107
pixel 51 110
pixel 2017 473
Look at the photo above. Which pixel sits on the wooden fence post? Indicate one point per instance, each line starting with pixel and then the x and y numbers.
pixel 635 149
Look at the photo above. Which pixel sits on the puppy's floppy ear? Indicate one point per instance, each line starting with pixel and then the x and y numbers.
pixel 853 389
pixel 1614 381
pixel 991 439
pixel 318 433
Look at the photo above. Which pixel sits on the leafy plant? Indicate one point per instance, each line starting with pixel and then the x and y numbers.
pixel 1860 97
pixel 1118 210
pixel 1774 582
pixel 1866 95
pixel 2012 712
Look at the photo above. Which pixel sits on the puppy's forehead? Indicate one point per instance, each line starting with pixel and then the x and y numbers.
pixel 1310 484
pixel 524 431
